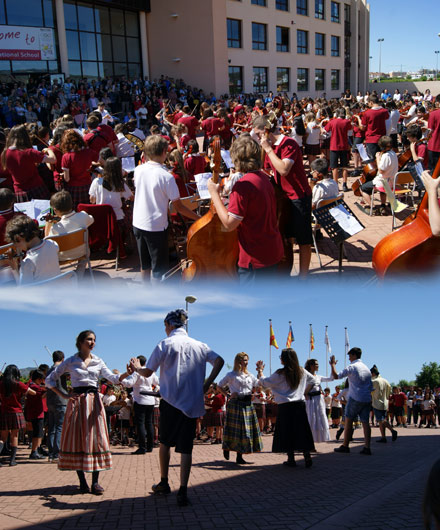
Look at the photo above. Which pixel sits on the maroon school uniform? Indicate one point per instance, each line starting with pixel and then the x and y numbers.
pixel 252 200
pixel 78 164
pixel 35 405
pixel 195 164
pixel 96 141
pixel 374 121
pixel 177 117
pixel 21 163
pixel 12 403
pixel 211 126
pixel 339 138
pixel 108 133
pixel 57 168
pixel 434 125
pixel 8 182
pixel 191 123
pixel 295 183
pixel 422 152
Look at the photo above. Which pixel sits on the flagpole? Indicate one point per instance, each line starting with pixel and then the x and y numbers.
pixel 270 348
pixel 326 352
pixel 346 349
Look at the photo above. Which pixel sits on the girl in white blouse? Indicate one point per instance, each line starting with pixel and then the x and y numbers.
pixel 241 431
pixel 84 440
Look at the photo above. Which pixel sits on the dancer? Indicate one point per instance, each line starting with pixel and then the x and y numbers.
pixel 241 432
pixel 182 362
pixel 84 441
pixel 315 404
pixel 288 384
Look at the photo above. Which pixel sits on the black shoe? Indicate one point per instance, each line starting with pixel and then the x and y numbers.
pixel 394 435
pixel 308 460
pixel 345 187
pixel 161 489
pixel 365 451
pixel 35 456
pixel 97 489
pixel 342 449
pixel 240 460
pixel 84 488
pixel 139 452
pixel 339 433
pixel 289 463
pixel 42 451
pixel 149 450
pixel 382 440
pixel 182 500
pixel 226 454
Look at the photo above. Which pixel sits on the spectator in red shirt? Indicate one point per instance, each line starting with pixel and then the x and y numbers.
pixel 35 412
pixel 399 401
pixel 373 123
pixel 339 146
pixel 191 122
pixel 11 416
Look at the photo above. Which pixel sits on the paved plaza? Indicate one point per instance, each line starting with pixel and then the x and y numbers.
pixel 340 491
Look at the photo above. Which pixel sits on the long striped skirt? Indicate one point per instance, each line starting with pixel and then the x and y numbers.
pixel 241 432
pixel 84 440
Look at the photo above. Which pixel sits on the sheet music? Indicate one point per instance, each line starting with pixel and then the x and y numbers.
pixel 227 158
pixel 128 163
pixel 362 152
pixel 35 209
pixel 345 219
pixel 202 186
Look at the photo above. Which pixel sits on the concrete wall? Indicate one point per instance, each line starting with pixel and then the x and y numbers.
pixel 411 86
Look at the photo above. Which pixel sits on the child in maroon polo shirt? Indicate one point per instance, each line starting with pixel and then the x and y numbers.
pixel 34 410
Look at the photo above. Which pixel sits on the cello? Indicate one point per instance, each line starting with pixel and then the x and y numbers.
pixel 211 249
pixel 412 248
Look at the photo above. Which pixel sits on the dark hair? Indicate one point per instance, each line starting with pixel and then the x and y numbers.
pixel 291 370
pixel 340 113
pixel 320 165
pixel 82 337
pixel 142 360
pixel 62 201
pixel 431 499
pixel 92 121
pixel 43 368
pixel 384 142
pixel 309 363
pixel 415 131
pixel 21 225
pixel 105 153
pixel 96 114
pixel 373 99
pixel 57 356
pixel 112 175
pixel 19 137
pixel 355 351
pixel 71 141
pixel 11 375
pixel 374 370
pixel 194 145
pixel 7 198
pixel 37 374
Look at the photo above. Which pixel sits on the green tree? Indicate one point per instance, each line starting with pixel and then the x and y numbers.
pixel 429 376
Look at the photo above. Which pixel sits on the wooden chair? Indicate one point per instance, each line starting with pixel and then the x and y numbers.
pixel 316 226
pixel 71 241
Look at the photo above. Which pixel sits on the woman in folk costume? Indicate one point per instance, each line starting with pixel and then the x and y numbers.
pixel 292 430
pixel 241 431
pixel 84 440
pixel 315 404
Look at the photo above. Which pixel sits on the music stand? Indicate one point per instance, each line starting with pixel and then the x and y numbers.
pixel 339 222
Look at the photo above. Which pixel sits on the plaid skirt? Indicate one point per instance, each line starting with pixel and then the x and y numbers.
pixel 40 192
pixel 80 194
pixel 292 430
pixel 10 421
pixel 156 417
pixel 84 440
pixel 213 419
pixel 241 432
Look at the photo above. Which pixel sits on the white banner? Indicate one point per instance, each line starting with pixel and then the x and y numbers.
pixel 21 43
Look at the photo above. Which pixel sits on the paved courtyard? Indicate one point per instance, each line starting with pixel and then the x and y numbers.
pixel 340 491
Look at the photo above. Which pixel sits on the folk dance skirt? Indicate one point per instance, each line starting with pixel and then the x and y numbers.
pixel 317 416
pixel 84 439
pixel 292 430
pixel 241 432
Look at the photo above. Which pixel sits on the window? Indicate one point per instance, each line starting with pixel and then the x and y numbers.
pixel 259 36
pixel 260 79
pixel 234 33
pixel 335 12
pixel 335 46
pixel 335 79
pixel 282 5
pixel 302 7
pixel 302 41
pixel 319 9
pixel 235 79
pixel 319 79
pixel 319 44
pixel 283 79
pixel 282 39
pixel 259 2
pixel 303 79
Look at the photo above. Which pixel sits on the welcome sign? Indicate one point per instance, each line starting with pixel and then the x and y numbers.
pixel 21 43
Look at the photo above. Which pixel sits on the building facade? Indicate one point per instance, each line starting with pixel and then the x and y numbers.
pixel 223 46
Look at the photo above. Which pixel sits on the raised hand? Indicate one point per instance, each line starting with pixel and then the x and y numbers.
pixel 260 366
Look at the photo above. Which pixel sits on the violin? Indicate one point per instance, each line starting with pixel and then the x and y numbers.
pixel 412 247
pixel 212 250
pixel 50 218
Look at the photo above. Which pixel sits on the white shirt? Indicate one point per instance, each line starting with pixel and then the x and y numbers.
pixel 41 263
pixel 124 147
pixel 359 377
pixel 387 168
pixel 281 389
pixel 325 189
pixel 69 223
pixel 155 188
pixel 108 399
pixel 80 374
pixel 139 383
pixel 114 198
pixel 392 121
pixel 124 412
pixel 182 362
pixel 313 133
pixel 240 382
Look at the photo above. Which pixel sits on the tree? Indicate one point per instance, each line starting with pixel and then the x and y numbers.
pixel 429 376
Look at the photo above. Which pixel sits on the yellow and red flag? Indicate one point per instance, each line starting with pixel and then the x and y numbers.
pixel 290 337
pixel 312 339
pixel 273 340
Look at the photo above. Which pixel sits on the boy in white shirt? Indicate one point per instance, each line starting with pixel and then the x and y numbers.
pixel 325 187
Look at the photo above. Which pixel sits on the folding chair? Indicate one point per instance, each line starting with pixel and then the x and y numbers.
pixel 71 241
pixel 316 226
pixel 61 278
pixel 404 185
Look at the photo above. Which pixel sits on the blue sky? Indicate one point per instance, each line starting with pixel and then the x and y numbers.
pixel 395 325
pixel 410 30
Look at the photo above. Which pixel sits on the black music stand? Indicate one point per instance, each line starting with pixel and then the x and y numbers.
pixel 337 233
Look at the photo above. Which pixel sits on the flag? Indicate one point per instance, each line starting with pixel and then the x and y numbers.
pixel 347 343
pixel 327 342
pixel 273 340
pixel 290 337
pixel 312 339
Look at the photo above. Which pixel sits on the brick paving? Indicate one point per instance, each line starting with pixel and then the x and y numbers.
pixel 339 491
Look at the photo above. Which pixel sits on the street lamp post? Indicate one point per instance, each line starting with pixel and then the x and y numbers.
pixel 436 68
pixel 380 55
pixel 189 300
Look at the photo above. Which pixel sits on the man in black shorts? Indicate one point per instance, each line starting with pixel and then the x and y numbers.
pixel 182 362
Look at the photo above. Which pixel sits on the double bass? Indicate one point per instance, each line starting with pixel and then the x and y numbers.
pixel 412 248
pixel 212 250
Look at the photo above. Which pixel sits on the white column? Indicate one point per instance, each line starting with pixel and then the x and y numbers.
pixel 62 40
pixel 144 43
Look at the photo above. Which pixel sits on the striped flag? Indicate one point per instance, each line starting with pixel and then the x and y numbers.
pixel 290 336
pixel 312 339
pixel 273 340
pixel 327 341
